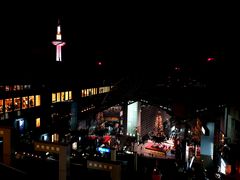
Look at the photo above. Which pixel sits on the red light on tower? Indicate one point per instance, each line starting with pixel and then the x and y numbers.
pixel 58 43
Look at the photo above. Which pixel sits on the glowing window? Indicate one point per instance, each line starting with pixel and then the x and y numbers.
pixel 101 90
pixel 38 122
pixel 104 89
pixel 66 95
pixel 18 87
pixel 14 87
pixel 6 88
pixel 62 96
pixel 82 92
pixel 70 95
pixel 8 105
pixel 17 103
pixel 31 101
pixel 24 102
pixel 107 88
pixel 1 106
pixel 58 97
pixel 55 137
pixel 54 98
pixel 38 100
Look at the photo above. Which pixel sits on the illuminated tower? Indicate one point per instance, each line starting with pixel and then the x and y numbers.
pixel 58 43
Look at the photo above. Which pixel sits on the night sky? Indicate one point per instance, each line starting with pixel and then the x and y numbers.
pixel 126 39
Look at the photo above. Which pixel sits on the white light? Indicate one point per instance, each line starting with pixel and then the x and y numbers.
pixel 223 167
pixel 58 29
pixel 203 130
pixel 74 146
pixel 190 165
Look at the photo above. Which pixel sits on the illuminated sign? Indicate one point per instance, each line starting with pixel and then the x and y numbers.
pixel 103 150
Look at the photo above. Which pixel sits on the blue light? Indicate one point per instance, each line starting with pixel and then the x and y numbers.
pixel 102 150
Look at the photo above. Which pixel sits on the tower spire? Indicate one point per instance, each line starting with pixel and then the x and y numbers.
pixel 58 42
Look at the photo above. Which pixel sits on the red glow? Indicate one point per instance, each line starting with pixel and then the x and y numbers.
pixel 210 59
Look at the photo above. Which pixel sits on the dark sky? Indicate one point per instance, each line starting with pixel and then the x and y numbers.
pixel 122 36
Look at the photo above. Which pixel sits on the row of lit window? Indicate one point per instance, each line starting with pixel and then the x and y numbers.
pixel 17 103
pixel 104 89
pixel 15 87
pixel 61 96
pixel 94 91
pixel 89 92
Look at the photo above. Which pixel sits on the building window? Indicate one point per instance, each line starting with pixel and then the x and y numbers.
pixel 8 105
pixel 25 102
pixel 70 95
pixel 31 101
pixel 66 95
pixel 6 88
pixel 1 106
pixel 38 100
pixel 54 98
pixel 62 96
pixel 101 90
pixel 38 122
pixel 58 97
pixel 14 87
pixel 89 92
pixel 55 137
pixel 84 92
pixel 27 86
pixel 17 103
pixel 1 110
